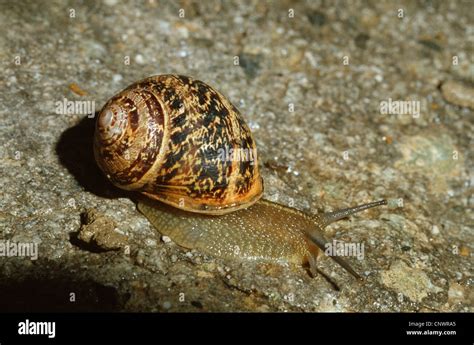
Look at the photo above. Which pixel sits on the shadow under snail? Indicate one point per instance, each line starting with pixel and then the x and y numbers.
pixel 165 136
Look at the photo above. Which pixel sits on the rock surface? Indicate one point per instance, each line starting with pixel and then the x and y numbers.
pixel 313 80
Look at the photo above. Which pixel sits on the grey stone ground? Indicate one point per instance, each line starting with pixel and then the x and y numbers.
pixel 418 255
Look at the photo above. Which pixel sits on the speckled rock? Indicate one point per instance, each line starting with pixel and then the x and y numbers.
pixel 408 282
pixel 313 80
pixel 100 231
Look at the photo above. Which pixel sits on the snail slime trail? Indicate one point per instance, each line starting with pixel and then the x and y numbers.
pixel 164 137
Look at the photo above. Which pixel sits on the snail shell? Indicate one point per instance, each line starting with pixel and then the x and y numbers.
pixel 169 136
pixel 165 137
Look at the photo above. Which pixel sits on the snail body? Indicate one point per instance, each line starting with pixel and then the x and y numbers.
pixel 164 137
pixel 265 231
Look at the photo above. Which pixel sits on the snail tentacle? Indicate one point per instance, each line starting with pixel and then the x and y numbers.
pixel 331 217
pixel 317 238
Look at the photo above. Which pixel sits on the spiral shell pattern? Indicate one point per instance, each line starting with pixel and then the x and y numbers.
pixel 174 139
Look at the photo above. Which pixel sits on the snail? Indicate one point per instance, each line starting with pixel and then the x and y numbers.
pixel 188 151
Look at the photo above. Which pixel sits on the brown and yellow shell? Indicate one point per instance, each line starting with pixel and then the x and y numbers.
pixel 179 141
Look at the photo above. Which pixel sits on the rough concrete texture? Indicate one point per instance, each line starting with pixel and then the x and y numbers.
pixel 311 80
